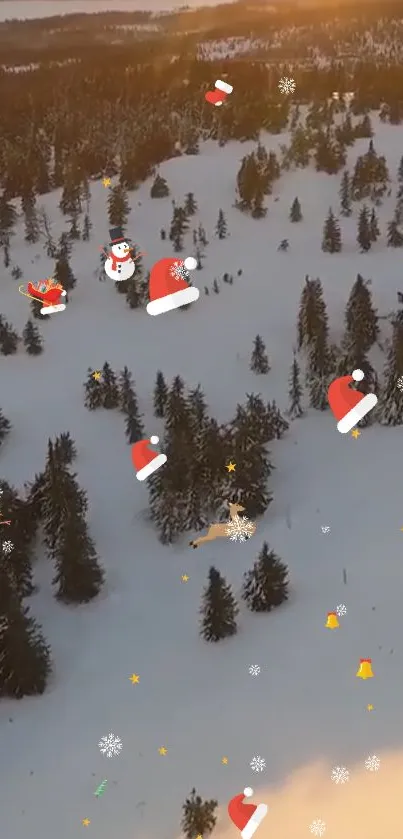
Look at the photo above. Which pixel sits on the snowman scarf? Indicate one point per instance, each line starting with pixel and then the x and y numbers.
pixel 117 260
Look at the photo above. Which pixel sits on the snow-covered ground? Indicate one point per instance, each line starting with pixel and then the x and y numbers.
pixel 199 701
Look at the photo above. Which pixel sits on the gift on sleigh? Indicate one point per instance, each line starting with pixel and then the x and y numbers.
pixel 48 292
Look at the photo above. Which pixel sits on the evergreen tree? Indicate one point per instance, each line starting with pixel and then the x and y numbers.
pixel 198 816
pixel 78 577
pixel 219 609
pixel 331 241
pixel 8 339
pixel 33 341
pixel 276 422
pixel 8 218
pixel 25 663
pixel 249 485
pixel 5 427
pixel 87 227
pixel 312 315
pixel 110 390
pixel 201 235
pixel 160 395
pixel 93 392
pixel 63 273
pixel 57 494
pixel 21 533
pixel 295 211
pixel 345 195
pixel 259 362
pixel 364 237
pixel 395 238
pixel 295 390
pixel 373 226
pixel 391 402
pixel 320 368
pixel 159 188
pixel 190 205
pixel 221 229
pixel 128 404
pixel 32 232
pixel 179 226
pixel 266 585
pixel 362 328
pixel 65 448
pixel 118 206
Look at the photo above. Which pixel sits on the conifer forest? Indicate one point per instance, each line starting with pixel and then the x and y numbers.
pixel 189 548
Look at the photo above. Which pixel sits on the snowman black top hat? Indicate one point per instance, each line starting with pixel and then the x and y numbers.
pixel 116 236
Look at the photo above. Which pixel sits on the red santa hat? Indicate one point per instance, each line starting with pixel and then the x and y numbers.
pixel 168 288
pixel 145 461
pixel 349 406
pixel 246 817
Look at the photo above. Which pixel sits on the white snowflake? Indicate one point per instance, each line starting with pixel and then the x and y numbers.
pixel 341 610
pixel 372 763
pixel 254 670
pixel 7 547
pixel 286 85
pixel 239 529
pixel 340 775
pixel 317 827
pixel 325 528
pixel 400 383
pixel 110 746
pixel 179 272
pixel 257 763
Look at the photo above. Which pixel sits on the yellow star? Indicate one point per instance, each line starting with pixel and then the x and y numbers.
pixel 96 375
pixel 370 707
pixel 355 433
pixel 224 760
pixel 162 750
pixel 134 678
pixel 106 181
pixel 184 578
pixel 231 467
pixel 85 822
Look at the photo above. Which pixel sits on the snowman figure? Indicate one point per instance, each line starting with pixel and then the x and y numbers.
pixel 119 264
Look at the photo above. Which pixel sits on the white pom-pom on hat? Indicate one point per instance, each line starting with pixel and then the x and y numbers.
pixel 190 263
pixel 154 440
pixel 357 375
pixel 248 792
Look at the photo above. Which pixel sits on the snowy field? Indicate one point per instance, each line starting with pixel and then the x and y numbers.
pixel 306 712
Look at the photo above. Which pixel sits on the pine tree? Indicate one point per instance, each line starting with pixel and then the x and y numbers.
pixel 5 427
pixel 312 315
pixel 259 362
pixel 373 226
pixel 331 241
pixel 295 391
pixel 391 402
pixel 345 195
pixel 32 232
pixel 63 273
pixel 249 485
pixel 295 211
pixel 134 428
pixel 8 339
pixel 266 585
pixel 190 205
pixel 221 229
pixel 395 237
pixel 78 577
pixel 87 227
pixel 201 235
pixel 65 448
pixel 160 395
pixel 364 238
pixel 219 609
pixel 110 391
pixel 57 494
pixel 179 226
pixel 93 392
pixel 21 533
pixel 276 422
pixel 25 662
pixel 118 206
pixel 362 328
pixel 159 188
pixel 198 816
pixel 33 341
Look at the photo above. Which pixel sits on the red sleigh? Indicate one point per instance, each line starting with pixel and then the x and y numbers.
pixel 49 293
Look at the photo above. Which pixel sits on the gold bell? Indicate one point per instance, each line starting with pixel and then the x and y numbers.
pixel 365 669
pixel 332 621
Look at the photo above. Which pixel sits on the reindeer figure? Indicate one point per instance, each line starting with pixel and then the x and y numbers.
pixel 219 530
